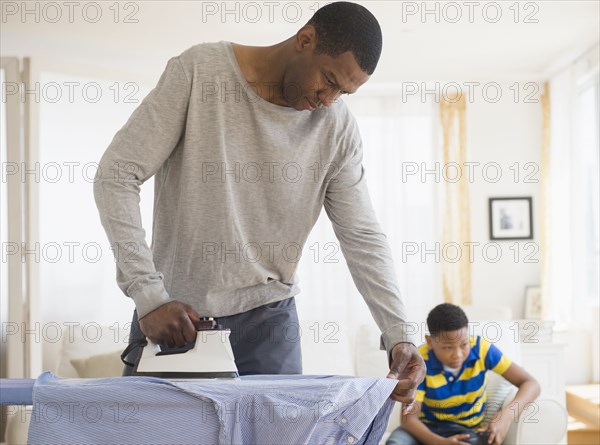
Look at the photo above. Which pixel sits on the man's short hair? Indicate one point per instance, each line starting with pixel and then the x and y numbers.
pixel 345 26
pixel 446 317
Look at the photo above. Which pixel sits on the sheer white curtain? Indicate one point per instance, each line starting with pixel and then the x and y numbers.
pixel 571 281
pixel 399 142
pixel 77 267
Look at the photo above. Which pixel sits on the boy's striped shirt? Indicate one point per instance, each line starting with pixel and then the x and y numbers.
pixel 461 399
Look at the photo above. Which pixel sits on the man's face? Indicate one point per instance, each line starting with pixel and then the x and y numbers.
pixel 312 80
pixel 450 347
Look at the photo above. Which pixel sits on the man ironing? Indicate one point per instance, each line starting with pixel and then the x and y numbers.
pixel 247 144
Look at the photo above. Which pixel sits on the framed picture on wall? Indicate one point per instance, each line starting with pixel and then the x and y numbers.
pixel 510 218
pixel 533 302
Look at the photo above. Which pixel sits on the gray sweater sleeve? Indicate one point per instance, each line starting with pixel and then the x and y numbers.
pixel 135 154
pixel 365 249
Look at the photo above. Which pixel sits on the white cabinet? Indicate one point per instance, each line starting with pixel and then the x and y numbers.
pixel 546 362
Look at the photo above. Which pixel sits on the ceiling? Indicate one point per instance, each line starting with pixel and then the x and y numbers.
pixel 447 47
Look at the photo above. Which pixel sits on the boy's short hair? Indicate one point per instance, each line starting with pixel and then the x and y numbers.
pixel 446 317
pixel 345 26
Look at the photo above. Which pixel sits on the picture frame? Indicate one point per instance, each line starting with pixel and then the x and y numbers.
pixel 511 218
pixel 533 303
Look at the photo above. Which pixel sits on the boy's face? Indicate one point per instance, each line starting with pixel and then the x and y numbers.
pixel 450 347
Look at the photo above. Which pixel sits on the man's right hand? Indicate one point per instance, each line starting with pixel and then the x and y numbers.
pixel 171 324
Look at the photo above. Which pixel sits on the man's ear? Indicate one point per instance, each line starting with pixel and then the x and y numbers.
pixel 306 38
pixel 428 340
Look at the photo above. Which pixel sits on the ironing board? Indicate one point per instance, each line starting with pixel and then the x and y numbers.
pixel 16 391
pixel 266 409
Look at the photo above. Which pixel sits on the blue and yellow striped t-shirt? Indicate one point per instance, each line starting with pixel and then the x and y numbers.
pixel 459 399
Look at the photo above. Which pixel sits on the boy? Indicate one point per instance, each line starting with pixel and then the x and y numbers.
pixel 450 402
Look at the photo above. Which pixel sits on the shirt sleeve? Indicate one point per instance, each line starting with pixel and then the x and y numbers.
pixel 365 248
pixel 494 359
pixel 135 154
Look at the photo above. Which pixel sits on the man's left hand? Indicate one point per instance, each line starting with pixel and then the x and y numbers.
pixel 409 369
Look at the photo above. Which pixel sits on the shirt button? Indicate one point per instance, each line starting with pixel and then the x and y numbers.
pixel 451 378
pixel 344 420
pixel 351 439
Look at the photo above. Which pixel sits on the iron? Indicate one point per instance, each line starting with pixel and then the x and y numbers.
pixel 209 357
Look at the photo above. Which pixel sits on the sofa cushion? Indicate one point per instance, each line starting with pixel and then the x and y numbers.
pixel 87 341
pixel 326 348
pixel 369 360
pixel 99 366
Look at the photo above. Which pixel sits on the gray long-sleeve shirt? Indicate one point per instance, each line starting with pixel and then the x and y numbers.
pixel 239 184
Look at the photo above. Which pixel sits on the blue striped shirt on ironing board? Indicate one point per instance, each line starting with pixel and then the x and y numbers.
pixel 261 409
pixel 459 399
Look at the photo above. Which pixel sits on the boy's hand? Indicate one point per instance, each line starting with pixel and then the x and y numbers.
pixel 498 429
pixel 409 369
pixel 457 439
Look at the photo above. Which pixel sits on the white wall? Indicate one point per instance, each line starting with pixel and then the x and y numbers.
pixel 578 355
pixel 505 133
pixel 500 135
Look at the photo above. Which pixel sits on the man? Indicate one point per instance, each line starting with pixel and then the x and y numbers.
pixel 247 145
